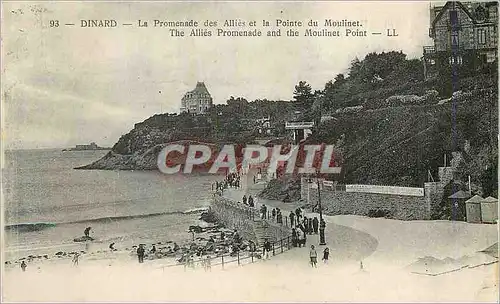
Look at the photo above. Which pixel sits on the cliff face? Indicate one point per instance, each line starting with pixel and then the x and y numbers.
pixel 138 149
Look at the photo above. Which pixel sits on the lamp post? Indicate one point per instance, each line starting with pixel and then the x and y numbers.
pixel 322 223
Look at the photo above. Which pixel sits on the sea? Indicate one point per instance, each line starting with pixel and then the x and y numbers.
pixel 47 203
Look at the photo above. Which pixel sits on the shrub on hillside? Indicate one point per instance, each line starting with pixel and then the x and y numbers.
pixel 380 213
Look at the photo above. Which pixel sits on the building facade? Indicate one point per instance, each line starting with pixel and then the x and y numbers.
pixel 464 33
pixel 197 101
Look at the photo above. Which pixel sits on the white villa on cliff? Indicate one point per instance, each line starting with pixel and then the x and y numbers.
pixel 197 101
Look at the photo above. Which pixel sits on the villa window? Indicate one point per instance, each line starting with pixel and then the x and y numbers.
pixel 481 36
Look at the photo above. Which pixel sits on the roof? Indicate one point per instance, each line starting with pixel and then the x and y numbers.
pixel 460 194
pixel 475 199
pixel 446 6
pixel 200 88
pixel 490 199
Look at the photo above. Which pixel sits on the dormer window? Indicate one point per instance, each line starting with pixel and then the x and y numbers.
pixel 481 14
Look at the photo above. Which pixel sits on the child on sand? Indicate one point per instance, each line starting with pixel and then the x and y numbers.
pixel 326 253
pixel 75 259
pixel 23 265
pixel 313 255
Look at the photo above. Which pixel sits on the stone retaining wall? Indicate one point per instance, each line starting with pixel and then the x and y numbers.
pixel 245 219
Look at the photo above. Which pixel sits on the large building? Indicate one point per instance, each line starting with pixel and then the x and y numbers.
pixel 197 101
pixel 464 34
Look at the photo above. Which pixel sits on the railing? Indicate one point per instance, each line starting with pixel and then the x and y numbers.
pixel 236 258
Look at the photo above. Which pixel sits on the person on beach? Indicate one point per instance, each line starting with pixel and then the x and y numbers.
pixel 112 247
pixel 244 199
pixel 75 259
pixel 176 247
pixel 294 237
pixel 273 213
pixel 250 201
pixel 264 211
pixel 315 225
pixel 326 253
pixel 292 218
pixel 86 232
pixel 303 237
pixel 140 253
pixel 208 264
pixel 279 216
pixel 153 249
pixel 299 237
pixel 23 266
pixel 266 248
pixel 313 255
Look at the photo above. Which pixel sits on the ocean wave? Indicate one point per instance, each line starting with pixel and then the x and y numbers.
pixel 31 227
pixel 195 210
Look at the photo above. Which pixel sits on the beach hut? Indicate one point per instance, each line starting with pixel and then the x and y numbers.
pixel 489 210
pixel 473 209
pixel 459 199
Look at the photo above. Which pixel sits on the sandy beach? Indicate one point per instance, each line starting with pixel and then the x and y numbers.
pixel 386 247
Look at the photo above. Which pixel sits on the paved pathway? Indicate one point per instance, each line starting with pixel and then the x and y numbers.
pixel 345 243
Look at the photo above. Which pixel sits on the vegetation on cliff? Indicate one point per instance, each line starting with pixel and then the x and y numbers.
pixel 389 125
pixel 392 127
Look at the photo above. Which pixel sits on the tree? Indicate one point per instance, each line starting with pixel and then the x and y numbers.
pixel 303 93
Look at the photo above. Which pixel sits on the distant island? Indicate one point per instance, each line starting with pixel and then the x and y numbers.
pixel 91 146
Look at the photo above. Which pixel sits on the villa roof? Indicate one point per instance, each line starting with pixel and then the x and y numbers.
pixel 475 199
pixel 200 88
pixel 460 194
pixel 490 199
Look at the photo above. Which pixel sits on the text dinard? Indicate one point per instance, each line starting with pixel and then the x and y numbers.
pixel 278 23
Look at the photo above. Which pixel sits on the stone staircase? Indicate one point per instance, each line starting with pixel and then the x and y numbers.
pixel 262 232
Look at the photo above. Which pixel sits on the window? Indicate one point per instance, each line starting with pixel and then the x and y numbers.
pixel 481 36
pixel 455 60
pixel 454 40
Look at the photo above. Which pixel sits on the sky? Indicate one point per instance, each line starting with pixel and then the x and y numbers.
pixel 71 85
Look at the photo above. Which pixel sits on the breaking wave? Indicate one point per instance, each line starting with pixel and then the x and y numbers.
pixel 31 227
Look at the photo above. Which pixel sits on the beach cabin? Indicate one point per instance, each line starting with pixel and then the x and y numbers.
pixel 473 209
pixel 459 199
pixel 489 210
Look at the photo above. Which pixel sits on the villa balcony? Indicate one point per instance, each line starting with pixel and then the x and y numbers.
pixel 429 50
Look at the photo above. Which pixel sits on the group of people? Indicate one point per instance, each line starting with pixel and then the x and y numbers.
pixel 277 216
pixel 313 256
pixel 248 201
pixel 231 180
pixel 274 215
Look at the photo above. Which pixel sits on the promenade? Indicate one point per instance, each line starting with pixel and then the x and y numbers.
pixel 386 247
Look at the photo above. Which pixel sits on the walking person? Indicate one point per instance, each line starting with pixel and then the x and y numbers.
pixel 315 225
pixel 326 253
pixel 140 253
pixel 264 212
pixel 266 248
pixel 292 218
pixel 23 266
pixel 313 255
pixel 273 213
pixel 75 259
pixel 86 232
